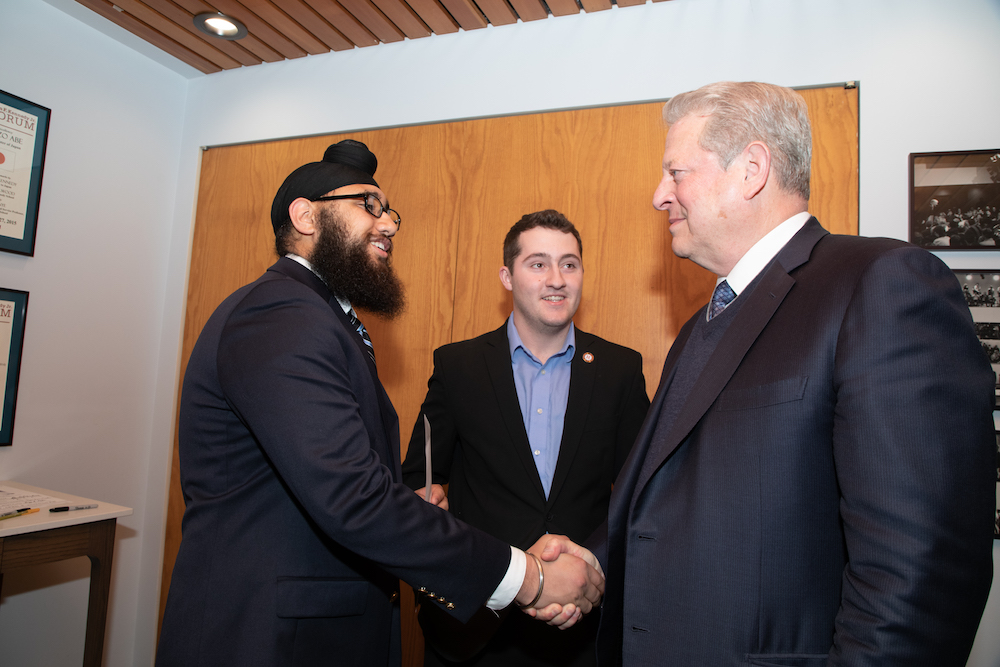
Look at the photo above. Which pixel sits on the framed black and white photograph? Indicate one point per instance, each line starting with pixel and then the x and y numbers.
pixel 24 132
pixel 982 293
pixel 996 524
pixel 954 200
pixel 13 308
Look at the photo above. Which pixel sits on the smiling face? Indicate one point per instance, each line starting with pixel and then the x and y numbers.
pixel 352 252
pixel 360 225
pixel 546 280
pixel 701 199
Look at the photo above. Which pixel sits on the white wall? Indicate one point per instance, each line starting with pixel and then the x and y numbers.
pixel 124 152
pixel 86 410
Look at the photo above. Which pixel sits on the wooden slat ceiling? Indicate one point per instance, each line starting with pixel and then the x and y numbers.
pixel 283 29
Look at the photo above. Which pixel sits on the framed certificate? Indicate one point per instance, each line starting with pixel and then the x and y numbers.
pixel 24 132
pixel 13 306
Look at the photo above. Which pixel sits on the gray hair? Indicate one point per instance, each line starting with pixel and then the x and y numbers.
pixel 743 112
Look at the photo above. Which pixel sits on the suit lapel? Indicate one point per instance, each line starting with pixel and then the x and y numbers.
pixel 581 389
pixel 390 423
pixel 496 355
pixel 762 302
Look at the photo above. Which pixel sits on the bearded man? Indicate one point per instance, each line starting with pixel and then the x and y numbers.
pixel 297 529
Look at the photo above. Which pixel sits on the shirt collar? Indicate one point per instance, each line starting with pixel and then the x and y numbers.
pixel 514 340
pixel 344 303
pixel 762 252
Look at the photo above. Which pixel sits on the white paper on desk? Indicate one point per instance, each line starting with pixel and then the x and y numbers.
pixel 12 498
pixel 429 471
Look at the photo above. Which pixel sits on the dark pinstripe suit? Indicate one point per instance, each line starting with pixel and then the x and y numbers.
pixel 825 493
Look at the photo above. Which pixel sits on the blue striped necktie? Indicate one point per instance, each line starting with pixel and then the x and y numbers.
pixel 360 328
pixel 721 298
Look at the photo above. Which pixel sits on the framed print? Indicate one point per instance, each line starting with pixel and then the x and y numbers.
pixel 13 307
pixel 982 293
pixel 954 199
pixel 24 132
pixel 996 520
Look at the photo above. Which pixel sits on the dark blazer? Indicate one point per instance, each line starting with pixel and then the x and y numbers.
pixel 296 529
pixel 481 450
pixel 826 492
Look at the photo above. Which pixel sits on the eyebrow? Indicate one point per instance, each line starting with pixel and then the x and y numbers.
pixel 545 255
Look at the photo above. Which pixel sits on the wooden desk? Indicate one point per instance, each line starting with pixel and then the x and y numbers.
pixel 46 537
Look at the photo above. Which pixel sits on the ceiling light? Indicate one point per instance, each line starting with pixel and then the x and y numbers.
pixel 219 25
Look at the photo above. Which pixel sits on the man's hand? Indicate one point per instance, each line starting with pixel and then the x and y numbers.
pixel 571 588
pixel 438 496
pixel 552 546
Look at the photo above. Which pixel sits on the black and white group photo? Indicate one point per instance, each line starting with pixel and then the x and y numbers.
pixel 954 200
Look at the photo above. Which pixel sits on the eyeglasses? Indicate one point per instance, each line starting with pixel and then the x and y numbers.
pixel 373 205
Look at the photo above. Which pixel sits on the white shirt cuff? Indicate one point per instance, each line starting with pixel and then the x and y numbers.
pixel 511 582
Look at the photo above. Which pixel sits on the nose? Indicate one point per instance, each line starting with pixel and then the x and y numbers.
pixel 385 225
pixel 664 193
pixel 555 278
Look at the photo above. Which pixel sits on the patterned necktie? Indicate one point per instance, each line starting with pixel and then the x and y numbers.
pixel 721 298
pixel 360 328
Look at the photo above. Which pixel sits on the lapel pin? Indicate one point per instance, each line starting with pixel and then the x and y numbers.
pixel 588 357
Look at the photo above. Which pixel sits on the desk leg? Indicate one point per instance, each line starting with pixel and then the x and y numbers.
pixel 100 551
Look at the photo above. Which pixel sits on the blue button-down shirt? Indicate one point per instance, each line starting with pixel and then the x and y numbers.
pixel 542 391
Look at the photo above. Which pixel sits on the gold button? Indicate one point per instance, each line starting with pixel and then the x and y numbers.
pixel 441 599
pixel 395 596
pixel 450 605
pixel 423 589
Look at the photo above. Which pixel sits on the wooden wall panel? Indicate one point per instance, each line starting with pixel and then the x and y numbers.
pixel 459 187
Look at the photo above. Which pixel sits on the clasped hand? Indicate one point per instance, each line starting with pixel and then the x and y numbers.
pixel 573 582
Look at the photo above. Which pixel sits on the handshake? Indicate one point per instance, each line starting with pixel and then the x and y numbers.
pixel 562 582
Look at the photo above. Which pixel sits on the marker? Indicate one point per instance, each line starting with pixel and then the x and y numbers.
pixel 72 507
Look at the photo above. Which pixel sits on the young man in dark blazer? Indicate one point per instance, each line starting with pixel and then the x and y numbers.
pixel 814 483
pixel 530 424
pixel 297 528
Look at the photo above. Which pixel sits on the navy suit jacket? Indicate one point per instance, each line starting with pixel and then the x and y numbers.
pixel 825 495
pixel 297 529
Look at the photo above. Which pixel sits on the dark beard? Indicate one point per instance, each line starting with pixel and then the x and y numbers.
pixel 351 273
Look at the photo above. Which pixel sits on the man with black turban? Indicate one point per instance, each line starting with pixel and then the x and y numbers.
pixel 297 529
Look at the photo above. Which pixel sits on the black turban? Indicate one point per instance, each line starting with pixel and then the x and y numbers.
pixel 345 163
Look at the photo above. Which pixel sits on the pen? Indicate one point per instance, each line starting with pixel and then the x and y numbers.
pixel 14 513
pixel 72 507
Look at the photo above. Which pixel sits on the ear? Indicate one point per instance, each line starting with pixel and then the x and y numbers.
pixel 505 279
pixel 757 159
pixel 303 216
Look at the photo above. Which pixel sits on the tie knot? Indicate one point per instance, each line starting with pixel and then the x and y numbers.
pixel 721 298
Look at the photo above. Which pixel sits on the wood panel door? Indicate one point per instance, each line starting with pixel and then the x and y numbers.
pixel 459 187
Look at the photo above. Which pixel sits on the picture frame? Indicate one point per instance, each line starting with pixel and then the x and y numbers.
pixel 24 134
pixel 13 312
pixel 996 521
pixel 955 200
pixel 982 293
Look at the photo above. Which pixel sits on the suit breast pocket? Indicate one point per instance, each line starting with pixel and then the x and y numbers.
pixel 764 395
pixel 320 598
